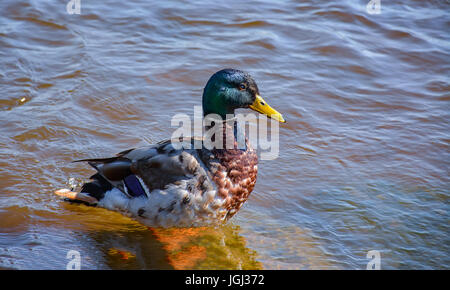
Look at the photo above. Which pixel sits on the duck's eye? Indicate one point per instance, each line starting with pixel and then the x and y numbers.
pixel 242 86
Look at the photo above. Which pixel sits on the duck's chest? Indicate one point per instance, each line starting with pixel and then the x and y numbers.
pixel 234 175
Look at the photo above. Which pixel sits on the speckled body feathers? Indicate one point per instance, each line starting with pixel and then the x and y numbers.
pixel 183 187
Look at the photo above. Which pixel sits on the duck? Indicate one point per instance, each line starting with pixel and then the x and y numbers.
pixel 182 182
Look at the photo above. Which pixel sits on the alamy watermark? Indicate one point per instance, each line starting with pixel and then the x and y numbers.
pixel 217 133
pixel 74 260
pixel 73 7
pixel 373 7
pixel 375 260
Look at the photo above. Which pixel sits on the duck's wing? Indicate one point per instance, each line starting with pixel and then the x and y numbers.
pixel 139 171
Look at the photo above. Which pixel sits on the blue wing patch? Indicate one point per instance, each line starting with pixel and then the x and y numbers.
pixel 134 186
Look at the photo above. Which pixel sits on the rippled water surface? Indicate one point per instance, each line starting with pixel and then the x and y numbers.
pixel 364 157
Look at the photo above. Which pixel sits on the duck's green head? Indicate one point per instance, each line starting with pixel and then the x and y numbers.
pixel 230 89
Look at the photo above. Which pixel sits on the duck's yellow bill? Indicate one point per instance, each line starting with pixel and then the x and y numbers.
pixel 260 106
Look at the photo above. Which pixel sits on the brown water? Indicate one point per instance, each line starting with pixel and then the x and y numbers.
pixel 364 158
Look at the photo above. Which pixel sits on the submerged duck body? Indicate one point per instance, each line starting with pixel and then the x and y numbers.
pixel 172 184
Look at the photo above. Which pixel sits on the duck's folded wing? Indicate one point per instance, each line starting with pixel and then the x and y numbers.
pixel 142 170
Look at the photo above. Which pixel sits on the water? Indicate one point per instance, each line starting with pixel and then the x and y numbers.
pixel 364 157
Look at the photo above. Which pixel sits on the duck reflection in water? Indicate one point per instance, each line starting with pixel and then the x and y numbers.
pixel 176 248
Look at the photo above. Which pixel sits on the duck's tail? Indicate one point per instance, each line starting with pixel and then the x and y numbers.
pixel 76 196
pixel 91 192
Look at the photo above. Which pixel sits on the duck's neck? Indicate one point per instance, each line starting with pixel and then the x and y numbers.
pixel 225 134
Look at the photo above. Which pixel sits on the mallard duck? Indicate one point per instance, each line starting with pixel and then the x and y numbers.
pixel 166 185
